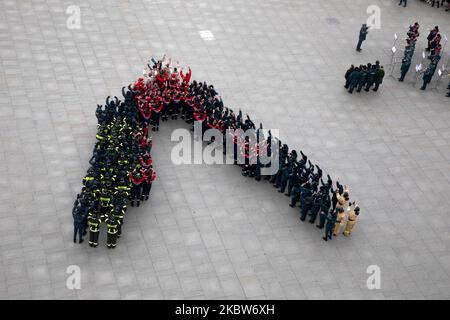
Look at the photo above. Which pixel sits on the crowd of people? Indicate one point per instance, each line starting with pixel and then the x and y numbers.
pixel 121 169
pixel 364 76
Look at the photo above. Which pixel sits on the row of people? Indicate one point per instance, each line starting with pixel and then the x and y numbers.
pixel 200 102
pixel 435 49
pixel 434 43
pixel 410 48
pixel 304 184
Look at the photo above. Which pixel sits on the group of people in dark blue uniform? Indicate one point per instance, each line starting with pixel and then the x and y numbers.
pixel 434 47
pixel 303 183
pixel 364 76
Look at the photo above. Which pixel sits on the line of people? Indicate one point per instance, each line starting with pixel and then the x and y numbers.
pixel 434 44
pixel 435 49
pixel 304 184
pixel 364 76
pixel 410 48
pixel 199 101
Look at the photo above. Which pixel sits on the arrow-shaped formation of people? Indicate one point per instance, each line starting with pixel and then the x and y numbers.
pixel 121 171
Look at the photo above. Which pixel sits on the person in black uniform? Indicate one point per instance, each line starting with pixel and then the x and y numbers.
pixel 362 36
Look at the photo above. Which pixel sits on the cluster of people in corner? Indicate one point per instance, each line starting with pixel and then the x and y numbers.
pixel 364 76
pixel 439 3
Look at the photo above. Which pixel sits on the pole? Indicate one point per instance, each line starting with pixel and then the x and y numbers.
pixel 394 50
pixel 418 73
pixel 395 39
pixel 445 43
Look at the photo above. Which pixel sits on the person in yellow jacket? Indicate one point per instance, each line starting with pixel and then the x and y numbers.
pixel 94 228
pixel 353 213
pixel 112 228
pixel 342 200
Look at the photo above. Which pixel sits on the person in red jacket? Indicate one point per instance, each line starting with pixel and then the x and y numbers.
pixel 173 81
pixel 146 160
pixel 137 177
pixel 156 114
pixel 146 143
pixel 150 176
pixel 186 77
pixel 145 111
pixel 161 78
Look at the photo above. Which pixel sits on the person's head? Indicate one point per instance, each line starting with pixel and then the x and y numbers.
pixel 377 63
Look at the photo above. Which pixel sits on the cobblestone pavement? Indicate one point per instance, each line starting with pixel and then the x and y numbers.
pixel 208 232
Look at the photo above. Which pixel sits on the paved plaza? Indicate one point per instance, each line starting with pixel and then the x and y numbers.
pixel 208 232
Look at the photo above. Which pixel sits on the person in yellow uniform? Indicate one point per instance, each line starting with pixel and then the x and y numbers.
pixel 94 224
pixel 353 213
pixel 111 227
pixel 342 200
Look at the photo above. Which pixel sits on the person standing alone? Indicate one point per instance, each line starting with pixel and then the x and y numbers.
pixel 362 36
